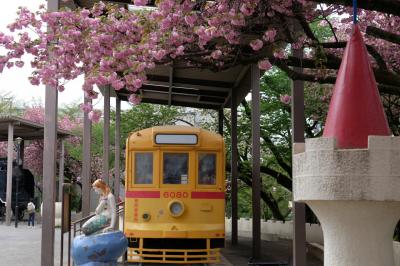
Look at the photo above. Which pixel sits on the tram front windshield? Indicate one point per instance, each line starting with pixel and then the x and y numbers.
pixel 175 167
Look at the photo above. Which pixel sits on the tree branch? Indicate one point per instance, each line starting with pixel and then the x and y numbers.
pixel 282 179
pixel 271 146
pixel 245 176
pixel 385 6
pixel 382 34
pixel 382 76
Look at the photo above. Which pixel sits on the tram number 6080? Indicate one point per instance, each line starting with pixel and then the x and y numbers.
pixel 173 195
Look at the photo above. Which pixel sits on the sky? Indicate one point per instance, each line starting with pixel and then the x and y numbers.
pixel 14 82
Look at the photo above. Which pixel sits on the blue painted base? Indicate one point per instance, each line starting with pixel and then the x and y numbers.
pixel 98 263
pixel 99 250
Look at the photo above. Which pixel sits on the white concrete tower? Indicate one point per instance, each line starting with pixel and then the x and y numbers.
pixel 351 176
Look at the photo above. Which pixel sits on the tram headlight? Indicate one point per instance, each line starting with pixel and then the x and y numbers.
pixel 176 208
pixel 146 216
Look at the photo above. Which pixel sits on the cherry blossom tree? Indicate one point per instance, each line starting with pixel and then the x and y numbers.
pixel 111 45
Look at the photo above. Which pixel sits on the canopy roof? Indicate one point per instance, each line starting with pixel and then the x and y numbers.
pixel 193 87
pixel 25 129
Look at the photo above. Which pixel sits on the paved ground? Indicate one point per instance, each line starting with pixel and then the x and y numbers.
pixel 21 247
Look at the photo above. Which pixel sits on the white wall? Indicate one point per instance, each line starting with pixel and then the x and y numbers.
pixel 274 230
pixel 396 246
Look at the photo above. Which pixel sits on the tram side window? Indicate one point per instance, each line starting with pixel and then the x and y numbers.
pixel 175 168
pixel 144 168
pixel 207 168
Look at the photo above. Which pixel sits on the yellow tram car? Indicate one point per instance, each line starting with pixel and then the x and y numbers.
pixel 175 195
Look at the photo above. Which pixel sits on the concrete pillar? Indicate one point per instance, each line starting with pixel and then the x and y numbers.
pixel 255 154
pixel 357 233
pixel 106 134
pixel 355 194
pixel 234 169
pixel 10 157
pixel 86 173
pixel 61 172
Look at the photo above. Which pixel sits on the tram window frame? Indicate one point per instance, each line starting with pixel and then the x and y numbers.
pixel 217 161
pixel 134 168
pixel 162 180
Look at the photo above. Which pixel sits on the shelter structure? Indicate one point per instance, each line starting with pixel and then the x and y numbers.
pixel 198 88
pixel 12 127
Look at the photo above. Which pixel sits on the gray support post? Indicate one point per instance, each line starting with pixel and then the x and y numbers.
pixel 117 147
pixel 256 180
pixel 10 156
pixel 49 173
pixel 21 152
pixel 299 230
pixel 221 121
pixel 106 134
pixel 49 168
pixel 234 168
pixel 86 184
pixel 61 172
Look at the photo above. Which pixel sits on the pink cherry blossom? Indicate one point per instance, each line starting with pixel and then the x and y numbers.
pixel 264 64
pixel 140 2
pixel 95 116
pixel 134 99
pixel 285 99
pixel 269 35
pixel 216 54
pixel 256 44
pixel 86 107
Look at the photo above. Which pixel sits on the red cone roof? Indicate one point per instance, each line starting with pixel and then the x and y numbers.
pixel 356 110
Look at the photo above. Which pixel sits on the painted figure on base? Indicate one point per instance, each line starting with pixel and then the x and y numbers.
pixel 105 212
pixel 100 244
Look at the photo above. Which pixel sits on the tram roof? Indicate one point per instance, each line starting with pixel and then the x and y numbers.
pixel 25 129
pixel 146 137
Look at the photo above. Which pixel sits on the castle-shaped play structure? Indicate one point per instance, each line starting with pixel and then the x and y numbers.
pixel 350 177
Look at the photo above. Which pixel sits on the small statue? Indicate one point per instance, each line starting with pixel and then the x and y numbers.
pixel 105 217
pixel 100 244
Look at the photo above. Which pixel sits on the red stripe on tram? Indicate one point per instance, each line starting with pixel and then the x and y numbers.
pixel 208 195
pixel 143 194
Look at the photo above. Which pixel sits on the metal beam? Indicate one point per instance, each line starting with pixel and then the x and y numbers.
pixel 234 169
pixel 171 83
pixel 117 147
pixel 86 182
pixel 180 90
pixel 256 185
pixel 10 156
pixel 106 134
pixel 221 121
pixel 21 152
pixel 49 174
pixel 188 87
pixel 61 171
pixel 298 118
pixel 190 81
